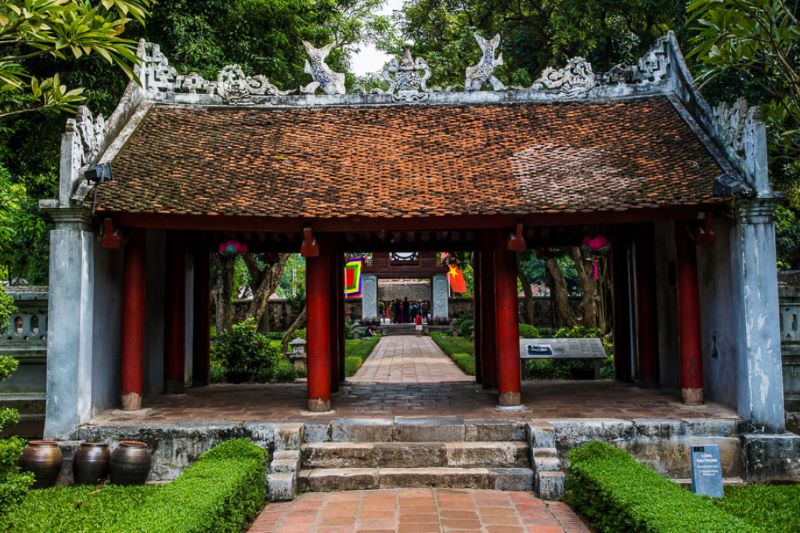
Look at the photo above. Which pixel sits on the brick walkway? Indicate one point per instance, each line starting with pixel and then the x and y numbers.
pixel 418 511
pixel 408 359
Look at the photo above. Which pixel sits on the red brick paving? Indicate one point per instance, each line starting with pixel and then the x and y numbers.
pixel 418 510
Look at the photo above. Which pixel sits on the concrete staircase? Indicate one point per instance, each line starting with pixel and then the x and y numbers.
pixel 361 454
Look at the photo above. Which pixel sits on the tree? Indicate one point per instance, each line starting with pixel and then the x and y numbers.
pixel 59 28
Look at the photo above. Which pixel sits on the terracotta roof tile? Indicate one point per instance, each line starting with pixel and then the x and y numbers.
pixel 410 160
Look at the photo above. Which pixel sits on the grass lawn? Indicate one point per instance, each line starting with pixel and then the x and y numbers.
pixel 774 508
pixel 460 349
pixel 356 352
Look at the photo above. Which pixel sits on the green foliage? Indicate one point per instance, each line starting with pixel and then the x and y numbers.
pixel 79 508
pixel 526 331
pixel 13 484
pixel 221 491
pixel 59 29
pixel 283 371
pixel 570 368
pixel 776 508
pixel 244 353
pixel 356 352
pixel 465 325
pixel 7 307
pixel 451 345
pixel 465 362
pixel 619 495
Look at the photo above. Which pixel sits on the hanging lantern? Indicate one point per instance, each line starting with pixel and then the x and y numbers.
pixel 232 248
pixel 595 247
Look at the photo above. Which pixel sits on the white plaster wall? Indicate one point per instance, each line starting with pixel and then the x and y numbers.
pixel 719 289
pixel 106 328
pixel 155 259
pixel 666 296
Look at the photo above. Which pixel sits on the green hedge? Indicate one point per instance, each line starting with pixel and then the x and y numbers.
pixel 776 508
pixel 465 362
pixel 356 352
pixel 452 345
pixel 222 491
pixel 620 495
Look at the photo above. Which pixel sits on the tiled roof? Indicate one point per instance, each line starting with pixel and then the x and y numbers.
pixel 410 160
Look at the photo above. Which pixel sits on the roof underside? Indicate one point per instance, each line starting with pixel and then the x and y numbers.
pixel 410 160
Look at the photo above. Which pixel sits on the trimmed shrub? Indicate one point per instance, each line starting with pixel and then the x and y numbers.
pixel 283 371
pixel 13 483
pixel 352 364
pixel 776 508
pixel 465 362
pixel 619 495
pixel 222 491
pixel 464 326
pixel 244 354
pixel 526 331
pixel 453 345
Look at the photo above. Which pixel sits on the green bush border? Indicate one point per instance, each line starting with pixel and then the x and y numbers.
pixel 619 495
pixel 356 352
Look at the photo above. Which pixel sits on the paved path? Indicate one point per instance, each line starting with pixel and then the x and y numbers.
pixel 418 511
pixel 408 359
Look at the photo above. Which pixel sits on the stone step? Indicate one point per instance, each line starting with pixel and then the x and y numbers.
pixel 464 454
pixel 323 479
pixel 416 429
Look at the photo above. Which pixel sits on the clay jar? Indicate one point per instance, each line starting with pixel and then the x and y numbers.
pixel 90 464
pixel 130 463
pixel 44 459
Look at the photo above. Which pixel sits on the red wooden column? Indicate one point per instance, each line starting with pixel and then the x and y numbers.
pixel 509 384
pixel 318 335
pixel 335 317
pixel 133 284
pixel 476 314
pixel 688 316
pixel 201 343
pixel 621 306
pixel 175 314
pixel 646 312
pixel 488 348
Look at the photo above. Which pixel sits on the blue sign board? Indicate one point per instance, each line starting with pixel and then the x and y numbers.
pixel 707 471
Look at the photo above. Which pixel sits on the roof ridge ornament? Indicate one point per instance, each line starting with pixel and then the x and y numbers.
pixel 405 82
pixel 476 76
pixel 575 79
pixel 652 67
pixel 324 77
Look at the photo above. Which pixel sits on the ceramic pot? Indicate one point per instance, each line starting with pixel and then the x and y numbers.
pixel 130 463
pixel 44 459
pixel 90 464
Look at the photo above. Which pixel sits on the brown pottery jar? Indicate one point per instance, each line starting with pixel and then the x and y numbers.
pixel 130 463
pixel 90 464
pixel 44 459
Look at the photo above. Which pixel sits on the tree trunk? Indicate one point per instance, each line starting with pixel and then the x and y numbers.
pixel 263 284
pixel 224 293
pixel 588 288
pixel 299 321
pixel 526 289
pixel 559 295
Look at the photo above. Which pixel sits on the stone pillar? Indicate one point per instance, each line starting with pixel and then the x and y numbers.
pixel 369 295
pixel 440 295
pixel 318 293
pixel 760 380
pixel 70 325
pixel 488 348
pixel 689 340
pixel 646 313
pixel 201 346
pixel 507 325
pixel 133 311
pixel 175 314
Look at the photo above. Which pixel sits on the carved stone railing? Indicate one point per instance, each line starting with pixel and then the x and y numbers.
pixel 26 340
pixel 789 298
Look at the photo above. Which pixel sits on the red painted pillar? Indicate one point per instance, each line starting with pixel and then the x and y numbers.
pixel 646 312
pixel 488 349
pixel 175 314
pixel 201 343
pixel 318 330
pixel 133 284
pixel 506 323
pixel 335 317
pixel 476 314
pixel 688 316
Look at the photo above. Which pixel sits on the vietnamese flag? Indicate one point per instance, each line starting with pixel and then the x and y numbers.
pixel 456 278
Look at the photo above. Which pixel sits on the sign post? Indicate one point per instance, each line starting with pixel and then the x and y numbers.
pixel 707 471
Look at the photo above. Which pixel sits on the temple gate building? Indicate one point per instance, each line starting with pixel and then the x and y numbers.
pixel 681 191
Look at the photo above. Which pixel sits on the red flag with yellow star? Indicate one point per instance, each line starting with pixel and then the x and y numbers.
pixel 456 278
